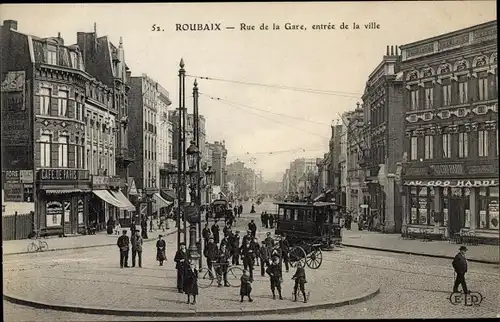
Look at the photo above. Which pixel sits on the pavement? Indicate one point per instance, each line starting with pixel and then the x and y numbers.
pixel 100 239
pixel 89 280
pixel 488 254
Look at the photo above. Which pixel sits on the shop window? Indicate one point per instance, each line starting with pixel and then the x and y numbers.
pixel 421 205
pixel 483 143
pixel 487 209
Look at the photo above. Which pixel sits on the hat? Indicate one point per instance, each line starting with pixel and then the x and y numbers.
pixel 160 235
pixel 124 231
pixel 182 244
pixel 237 232
pixel 463 248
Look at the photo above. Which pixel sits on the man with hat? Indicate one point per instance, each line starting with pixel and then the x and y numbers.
pixel 136 242
pixel 123 244
pixel 181 266
pixel 215 232
pixel 460 266
pixel 274 272
pixel 234 241
pixel 161 250
pixel 206 233
pixel 247 237
pixel 253 228
pixel 269 241
pixel 247 255
pixel 264 254
pixel 210 253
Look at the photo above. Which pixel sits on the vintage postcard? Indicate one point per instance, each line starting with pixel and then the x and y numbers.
pixel 298 160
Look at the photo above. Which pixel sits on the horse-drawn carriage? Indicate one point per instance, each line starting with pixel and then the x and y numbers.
pixel 309 228
pixel 220 208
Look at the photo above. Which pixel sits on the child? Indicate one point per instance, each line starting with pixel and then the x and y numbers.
pixel 117 228
pixel 300 281
pixel 246 286
pixel 191 283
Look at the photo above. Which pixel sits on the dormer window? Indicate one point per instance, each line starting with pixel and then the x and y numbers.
pixel 51 55
pixel 74 60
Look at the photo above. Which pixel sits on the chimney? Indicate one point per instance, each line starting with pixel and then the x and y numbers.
pixel 10 24
pixel 387 51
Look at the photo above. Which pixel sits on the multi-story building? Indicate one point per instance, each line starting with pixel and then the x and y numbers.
pixel 216 158
pixel 334 170
pixel 384 113
pixel 174 117
pixel 285 183
pixel 451 103
pixel 106 63
pixel 57 123
pixel 355 190
pixel 303 177
pixel 323 165
pixel 148 133
pixel 343 164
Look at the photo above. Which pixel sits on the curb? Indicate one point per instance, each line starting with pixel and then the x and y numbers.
pixel 84 247
pixel 374 290
pixel 419 254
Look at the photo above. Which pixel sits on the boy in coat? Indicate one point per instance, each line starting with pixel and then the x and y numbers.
pixel 246 286
pixel 274 272
pixel 460 266
pixel 300 281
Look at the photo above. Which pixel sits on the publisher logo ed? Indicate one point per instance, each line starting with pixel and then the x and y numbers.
pixel 471 299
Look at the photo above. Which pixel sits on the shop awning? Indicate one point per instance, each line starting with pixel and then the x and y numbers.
pixel 167 194
pixel 453 183
pixel 123 199
pixel 108 197
pixel 160 202
pixel 61 191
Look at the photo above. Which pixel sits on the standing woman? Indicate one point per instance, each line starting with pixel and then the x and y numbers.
pixel 190 286
pixel 161 250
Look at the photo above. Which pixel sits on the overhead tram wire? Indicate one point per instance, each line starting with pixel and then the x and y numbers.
pixel 290 88
pixel 270 119
pixel 270 112
pixel 248 154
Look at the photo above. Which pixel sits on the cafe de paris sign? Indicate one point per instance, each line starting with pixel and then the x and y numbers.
pixel 453 183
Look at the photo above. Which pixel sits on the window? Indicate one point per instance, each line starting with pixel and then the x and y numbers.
pixel 462 92
pixel 446 146
pixel 483 88
pixel 414 148
pixel 74 60
pixel 63 151
pixel 414 100
pixel 62 105
pixel 487 201
pixel 421 205
pixel 429 97
pixel 45 143
pixel 79 111
pixel 429 146
pixel 483 143
pixel 51 55
pixel 45 94
pixel 463 145
pixel 446 95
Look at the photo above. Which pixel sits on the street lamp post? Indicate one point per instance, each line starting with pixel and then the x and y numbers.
pixel 181 177
pixel 193 155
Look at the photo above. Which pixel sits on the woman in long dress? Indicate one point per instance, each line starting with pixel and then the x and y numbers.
pixel 191 283
pixel 161 250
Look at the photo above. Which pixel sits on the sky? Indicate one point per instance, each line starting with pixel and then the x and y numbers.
pixel 262 124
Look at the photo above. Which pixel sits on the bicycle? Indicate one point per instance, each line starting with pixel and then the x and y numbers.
pixel 233 276
pixel 37 245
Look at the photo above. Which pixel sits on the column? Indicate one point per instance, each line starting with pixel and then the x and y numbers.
pixel 473 208
pixel 389 204
pixel 437 207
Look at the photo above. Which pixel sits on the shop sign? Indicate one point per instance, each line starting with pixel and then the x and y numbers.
pixel 26 176
pixel 100 182
pixel 115 181
pixel 13 192
pixel 63 175
pixel 11 176
pixel 447 169
pixel 453 183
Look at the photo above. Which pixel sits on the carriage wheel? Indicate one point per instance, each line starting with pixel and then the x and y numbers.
pixel 297 254
pixel 234 276
pixel 206 280
pixel 44 246
pixel 32 247
pixel 315 258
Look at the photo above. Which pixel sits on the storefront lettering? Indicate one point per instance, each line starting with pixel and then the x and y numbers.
pixel 453 183
pixel 64 174
pixel 476 183
pixel 447 169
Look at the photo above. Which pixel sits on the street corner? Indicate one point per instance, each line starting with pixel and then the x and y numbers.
pixel 80 287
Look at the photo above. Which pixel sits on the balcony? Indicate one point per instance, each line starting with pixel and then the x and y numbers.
pixel 126 155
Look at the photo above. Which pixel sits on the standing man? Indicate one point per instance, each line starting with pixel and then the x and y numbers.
pixel 240 210
pixel 210 253
pixel 206 233
pixel 136 242
pixel 460 266
pixel 222 268
pixel 269 241
pixel 180 264
pixel 123 244
pixel 247 237
pixel 271 221
pixel 264 255
pixel 262 219
pixel 266 219
pixel 300 281
pixel 247 254
pixel 235 248
pixel 253 228
pixel 215 232
pixel 274 272
pixel 285 251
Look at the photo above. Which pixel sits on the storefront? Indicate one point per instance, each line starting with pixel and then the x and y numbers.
pixel 63 196
pixel 452 206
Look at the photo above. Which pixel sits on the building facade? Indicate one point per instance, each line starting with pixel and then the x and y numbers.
pixel 450 176
pixel 216 158
pixel 383 107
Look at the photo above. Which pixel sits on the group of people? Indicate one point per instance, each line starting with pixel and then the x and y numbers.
pixel 268 220
pixel 125 243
